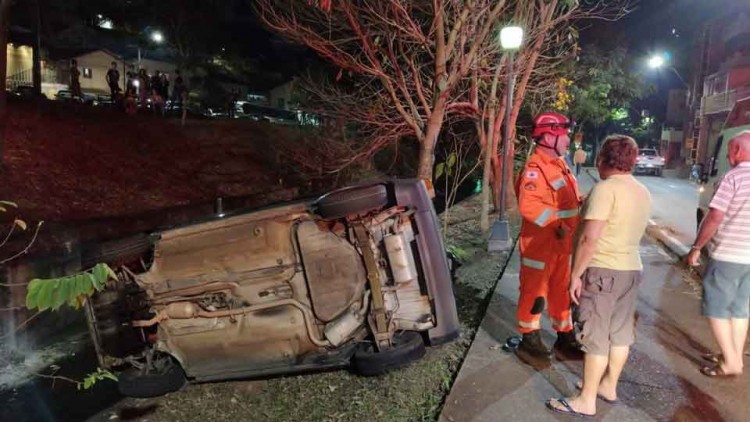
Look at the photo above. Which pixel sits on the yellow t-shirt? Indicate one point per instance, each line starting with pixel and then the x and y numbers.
pixel 625 204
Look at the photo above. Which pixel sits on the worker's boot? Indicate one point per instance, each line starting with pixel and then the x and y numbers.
pixel 532 345
pixel 567 347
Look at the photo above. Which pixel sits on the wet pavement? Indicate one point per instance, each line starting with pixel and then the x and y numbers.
pixel 661 381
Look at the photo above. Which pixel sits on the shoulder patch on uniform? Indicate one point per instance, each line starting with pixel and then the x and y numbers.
pixel 532 174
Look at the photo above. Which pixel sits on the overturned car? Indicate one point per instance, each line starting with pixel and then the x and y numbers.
pixel 358 277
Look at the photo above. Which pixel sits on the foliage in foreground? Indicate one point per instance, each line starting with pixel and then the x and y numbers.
pixel 73 290
pixel 43 294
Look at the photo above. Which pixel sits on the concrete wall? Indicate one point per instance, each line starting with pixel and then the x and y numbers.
pixel 93 67
pixel 281 96
pixel 19 59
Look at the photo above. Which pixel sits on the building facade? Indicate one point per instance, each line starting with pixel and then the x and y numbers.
pixel 720 79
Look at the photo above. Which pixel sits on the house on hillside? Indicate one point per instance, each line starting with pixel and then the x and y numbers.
pixel 95 48
pixel 285 96
pixel 94 65
pixel 20 62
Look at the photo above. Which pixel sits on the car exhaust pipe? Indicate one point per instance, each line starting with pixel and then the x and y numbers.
pixel 188 310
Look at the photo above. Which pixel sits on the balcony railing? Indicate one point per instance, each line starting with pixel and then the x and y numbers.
pixel 723 102
pixel 26 78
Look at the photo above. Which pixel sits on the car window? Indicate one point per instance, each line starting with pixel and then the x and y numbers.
pixel 649 152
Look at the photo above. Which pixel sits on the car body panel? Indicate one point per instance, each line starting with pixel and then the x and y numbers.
pixel 282 289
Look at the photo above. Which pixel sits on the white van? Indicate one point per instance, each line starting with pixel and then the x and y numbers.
pixel 717 164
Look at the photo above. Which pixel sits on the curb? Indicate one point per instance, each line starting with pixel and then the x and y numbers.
pixel 674 245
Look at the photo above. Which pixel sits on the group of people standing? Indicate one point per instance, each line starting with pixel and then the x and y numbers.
pixel 580 260
pixel 140 87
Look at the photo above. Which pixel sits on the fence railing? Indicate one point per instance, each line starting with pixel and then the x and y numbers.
pixel 26 78
pixel 723 102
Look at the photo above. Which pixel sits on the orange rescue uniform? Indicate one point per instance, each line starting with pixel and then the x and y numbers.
pixel 548 198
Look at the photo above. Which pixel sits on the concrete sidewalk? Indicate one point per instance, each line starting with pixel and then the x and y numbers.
pixel 494 385
pixel 661 380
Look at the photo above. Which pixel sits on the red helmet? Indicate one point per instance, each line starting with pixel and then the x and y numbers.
pixel 552 123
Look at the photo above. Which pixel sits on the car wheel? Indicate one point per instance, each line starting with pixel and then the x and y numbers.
pixel 658 173
pixel 408 347
pixel 134 383
pixel 352 201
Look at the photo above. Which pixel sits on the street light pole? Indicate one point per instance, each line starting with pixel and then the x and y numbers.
pixel 510 38
pixel 506 138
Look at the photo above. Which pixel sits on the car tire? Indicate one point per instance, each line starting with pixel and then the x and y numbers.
pixel 132 383
pixel 341 203
pixel 408 347
pixel 658 173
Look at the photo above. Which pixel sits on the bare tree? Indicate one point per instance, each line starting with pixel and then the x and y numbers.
pixel 550 41
pixel 406 58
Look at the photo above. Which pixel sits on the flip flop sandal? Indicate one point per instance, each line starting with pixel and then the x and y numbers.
pixel 716 372
pixel 567 410
pixel 579 386
pixel 712 357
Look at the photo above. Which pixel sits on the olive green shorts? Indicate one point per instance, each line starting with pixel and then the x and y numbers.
pixel 606 310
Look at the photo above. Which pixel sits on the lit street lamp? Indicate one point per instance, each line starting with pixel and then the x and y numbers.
pixel 511 38
pixel 157 37
pixel 658 61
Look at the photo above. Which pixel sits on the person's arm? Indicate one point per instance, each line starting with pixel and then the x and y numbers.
pixel 592 231
pixel 598 211
pixel 707 231
pixel 710 224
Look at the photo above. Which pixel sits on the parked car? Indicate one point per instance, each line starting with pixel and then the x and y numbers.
pixel 649 161
pixel 26 91
pixel 358 277
pixel 67 95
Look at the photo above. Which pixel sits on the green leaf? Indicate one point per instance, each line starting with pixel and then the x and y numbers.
pixel 439 170
pixel 59 296
pixel 98 283
pixel 46 293
pixel 100 273
pixel 32 293
pixel 111 272
pixel 452 158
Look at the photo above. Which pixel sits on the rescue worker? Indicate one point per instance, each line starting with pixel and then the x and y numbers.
pixel 548 199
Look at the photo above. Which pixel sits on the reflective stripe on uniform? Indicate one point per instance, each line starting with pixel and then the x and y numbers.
pixel 567 213
pixel 533 324
pixel 539 265
pixel 543 217
pixel 557 184
pixel 561 324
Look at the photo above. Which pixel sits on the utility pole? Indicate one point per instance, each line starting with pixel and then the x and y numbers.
pixel 36 72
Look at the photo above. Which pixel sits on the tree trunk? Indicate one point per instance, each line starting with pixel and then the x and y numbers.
pixel 4 25
pixel 427 144
pixel 37 51
pixel 489 153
